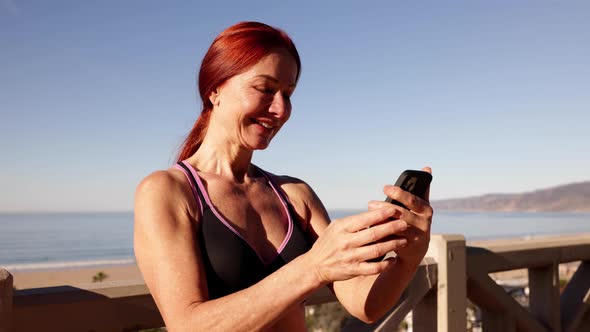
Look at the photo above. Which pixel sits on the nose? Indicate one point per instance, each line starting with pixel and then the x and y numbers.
pixel 281 105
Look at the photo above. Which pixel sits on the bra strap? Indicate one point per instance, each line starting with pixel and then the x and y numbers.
pixel 193 183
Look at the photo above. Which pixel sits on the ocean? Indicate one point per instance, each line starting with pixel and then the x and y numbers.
pixel 31 241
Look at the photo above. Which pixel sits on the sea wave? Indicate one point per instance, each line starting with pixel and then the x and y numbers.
pixel 66 265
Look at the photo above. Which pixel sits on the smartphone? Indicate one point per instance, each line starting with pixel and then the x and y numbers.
pixel 414 182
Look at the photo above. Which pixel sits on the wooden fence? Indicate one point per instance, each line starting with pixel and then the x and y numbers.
pixel 450 275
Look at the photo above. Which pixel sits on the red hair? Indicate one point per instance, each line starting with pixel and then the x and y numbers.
pixel 234 51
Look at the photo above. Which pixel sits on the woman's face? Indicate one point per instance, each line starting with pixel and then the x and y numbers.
pixel 254 105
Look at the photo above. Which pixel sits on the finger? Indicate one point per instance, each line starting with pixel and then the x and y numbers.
pixel 373 205
pixel 411 201
pixel 416 222
pixel 409 217
pixel 405 215
pixel 367 269
pixel 363 220
pixel 378 232
pixel 379 249
pixel 427 195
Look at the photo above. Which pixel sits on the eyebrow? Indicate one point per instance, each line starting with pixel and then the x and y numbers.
pixel 274 79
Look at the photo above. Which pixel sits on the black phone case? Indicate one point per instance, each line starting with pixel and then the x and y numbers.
pixel 415 182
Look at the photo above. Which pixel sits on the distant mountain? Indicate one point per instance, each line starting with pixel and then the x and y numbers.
pixel 574 197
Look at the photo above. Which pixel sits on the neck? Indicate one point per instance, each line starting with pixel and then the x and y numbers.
pixel 226 160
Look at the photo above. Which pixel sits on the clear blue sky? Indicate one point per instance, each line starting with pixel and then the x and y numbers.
pixel 494 95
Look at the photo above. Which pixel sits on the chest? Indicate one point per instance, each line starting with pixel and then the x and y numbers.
pixel 246 234
pixel 255 211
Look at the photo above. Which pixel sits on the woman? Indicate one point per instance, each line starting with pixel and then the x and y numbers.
pixel 224 245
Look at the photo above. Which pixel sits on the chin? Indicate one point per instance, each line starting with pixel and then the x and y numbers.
pixel 259 145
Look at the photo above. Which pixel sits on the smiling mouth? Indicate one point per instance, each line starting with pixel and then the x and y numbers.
pixel 265 125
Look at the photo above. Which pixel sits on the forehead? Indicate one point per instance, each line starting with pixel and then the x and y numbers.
pixel 278 64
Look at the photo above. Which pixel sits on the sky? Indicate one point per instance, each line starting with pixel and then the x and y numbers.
pixel 493 95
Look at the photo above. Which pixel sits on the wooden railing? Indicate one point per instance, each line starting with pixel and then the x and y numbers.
pixel 548 310
pixel 451 274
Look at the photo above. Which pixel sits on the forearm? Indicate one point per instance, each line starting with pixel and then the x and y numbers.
pixel 384 292
pixel 370 297
pixel 255 308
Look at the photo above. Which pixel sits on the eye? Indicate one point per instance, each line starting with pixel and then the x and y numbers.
pixel 265 90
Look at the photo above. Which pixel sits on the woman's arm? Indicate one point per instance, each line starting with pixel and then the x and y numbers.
pixel 368 297
pixel 167 251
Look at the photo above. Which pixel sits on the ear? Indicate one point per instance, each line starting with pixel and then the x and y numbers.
pixel 214 97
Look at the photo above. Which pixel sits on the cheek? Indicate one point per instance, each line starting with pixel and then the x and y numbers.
pixel 254 102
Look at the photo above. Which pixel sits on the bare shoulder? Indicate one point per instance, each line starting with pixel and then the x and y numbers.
pixel 165 246
pixel 305 201
pixel 295 188
pixel 161 181
pixel 164 192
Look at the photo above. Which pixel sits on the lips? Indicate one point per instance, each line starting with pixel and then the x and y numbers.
pixel 265 124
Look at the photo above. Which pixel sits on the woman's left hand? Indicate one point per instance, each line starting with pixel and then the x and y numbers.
pixel 418 216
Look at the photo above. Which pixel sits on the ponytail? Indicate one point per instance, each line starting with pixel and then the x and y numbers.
pixel 194 139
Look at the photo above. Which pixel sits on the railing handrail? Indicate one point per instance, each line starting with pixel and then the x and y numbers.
pixel 494 256
pixel 438 289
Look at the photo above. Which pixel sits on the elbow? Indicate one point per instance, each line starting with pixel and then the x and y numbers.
pixel 372 312
pixel 182 321
pixel 368 318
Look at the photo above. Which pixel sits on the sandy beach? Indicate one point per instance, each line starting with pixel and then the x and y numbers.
pixel 127 274
pixel 79 277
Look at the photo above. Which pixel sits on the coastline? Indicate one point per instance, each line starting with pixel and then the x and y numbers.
pixel 116 274
pixel 125 271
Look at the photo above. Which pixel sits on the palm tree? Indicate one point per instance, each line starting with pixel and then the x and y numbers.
pixel 99 277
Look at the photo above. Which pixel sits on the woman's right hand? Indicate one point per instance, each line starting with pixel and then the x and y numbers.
pixel 342 250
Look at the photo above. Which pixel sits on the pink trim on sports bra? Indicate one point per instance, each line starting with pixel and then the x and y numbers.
pixel 192 188
pixel 230 227
pixel 289 220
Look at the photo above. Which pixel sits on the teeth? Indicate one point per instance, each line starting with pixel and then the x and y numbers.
pixel 265 125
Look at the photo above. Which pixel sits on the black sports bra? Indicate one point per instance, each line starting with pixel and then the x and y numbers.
pixel 231 263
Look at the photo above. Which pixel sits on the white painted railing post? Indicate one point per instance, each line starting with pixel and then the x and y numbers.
pixel 449 252
pixel 5 301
